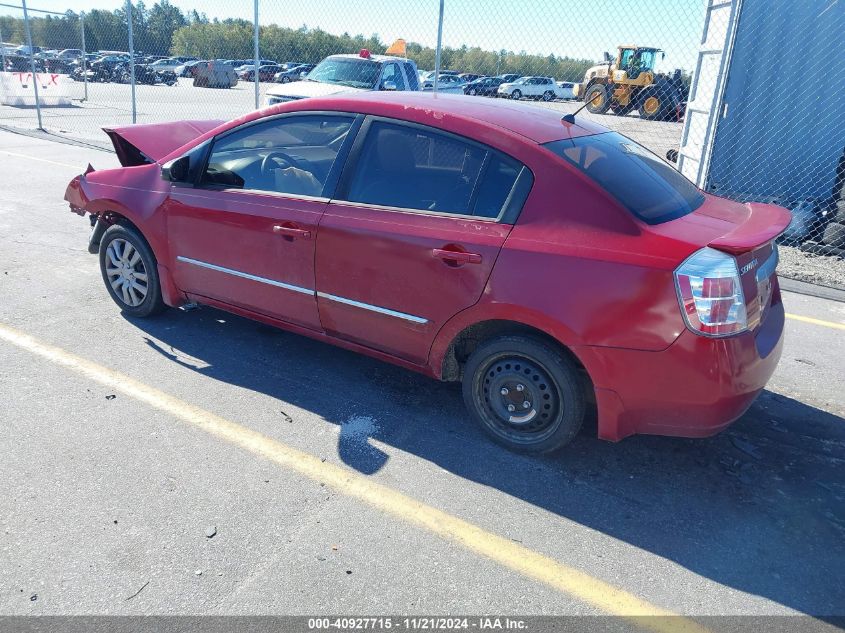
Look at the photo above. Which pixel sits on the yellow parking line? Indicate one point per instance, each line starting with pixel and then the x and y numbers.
pixel 42 160
pixel 576 583
pixel 831 324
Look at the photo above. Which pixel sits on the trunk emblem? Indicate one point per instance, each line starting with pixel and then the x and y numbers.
pixel 749 266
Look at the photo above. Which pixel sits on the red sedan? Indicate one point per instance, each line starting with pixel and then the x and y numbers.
pixel 549 265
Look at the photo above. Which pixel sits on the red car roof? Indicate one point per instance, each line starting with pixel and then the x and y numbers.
pixel 538 124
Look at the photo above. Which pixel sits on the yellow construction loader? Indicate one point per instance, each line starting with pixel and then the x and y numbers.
pixel 629 82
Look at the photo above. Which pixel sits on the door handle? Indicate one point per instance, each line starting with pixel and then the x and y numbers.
pixel 456 256
pixel 292 232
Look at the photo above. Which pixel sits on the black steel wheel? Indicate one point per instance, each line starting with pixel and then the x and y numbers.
pixel 525 394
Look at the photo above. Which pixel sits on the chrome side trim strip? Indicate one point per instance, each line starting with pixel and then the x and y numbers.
pixel 237 273
pixel 372 308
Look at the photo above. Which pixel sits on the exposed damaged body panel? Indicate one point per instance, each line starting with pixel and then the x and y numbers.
pixel 150 142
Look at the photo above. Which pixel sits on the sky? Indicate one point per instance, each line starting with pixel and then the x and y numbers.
pixel 577 28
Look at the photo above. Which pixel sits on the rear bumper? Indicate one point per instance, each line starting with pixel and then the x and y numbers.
pixel 694 388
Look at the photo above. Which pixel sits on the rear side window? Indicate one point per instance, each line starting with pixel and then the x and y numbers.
pixel 413 77
pixel 422 169
pixel 647 186
pixel 497 182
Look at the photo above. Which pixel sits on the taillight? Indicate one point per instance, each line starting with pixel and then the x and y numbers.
pixel 710 294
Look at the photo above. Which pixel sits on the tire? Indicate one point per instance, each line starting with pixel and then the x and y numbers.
pixel 285 80
pixel 120 266
pixel 510 371
pixel 651 106
pixel 834 235
pixel 548 96
pixel 473 92
pixel 516 94
pixel 597 99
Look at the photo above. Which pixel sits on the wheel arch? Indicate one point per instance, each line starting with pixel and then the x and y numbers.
pixel 170 293
pixel 465 341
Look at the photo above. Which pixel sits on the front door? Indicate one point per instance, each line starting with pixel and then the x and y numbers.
pixel 412 236
pixel 245 233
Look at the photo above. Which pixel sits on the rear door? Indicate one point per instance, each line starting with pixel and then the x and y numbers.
pixel 412 236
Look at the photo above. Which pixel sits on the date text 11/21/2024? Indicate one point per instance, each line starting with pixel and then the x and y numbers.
pixel 420 623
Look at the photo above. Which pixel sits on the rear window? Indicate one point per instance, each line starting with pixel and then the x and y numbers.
pixel 647 186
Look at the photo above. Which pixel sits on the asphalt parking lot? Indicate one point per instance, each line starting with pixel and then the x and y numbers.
pixel 200 463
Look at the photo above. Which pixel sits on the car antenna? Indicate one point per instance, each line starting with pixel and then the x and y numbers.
pixel 570 118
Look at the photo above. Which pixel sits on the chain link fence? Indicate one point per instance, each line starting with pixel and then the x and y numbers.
pixel 728 90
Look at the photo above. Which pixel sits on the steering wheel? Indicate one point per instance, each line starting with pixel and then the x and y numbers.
pixel 290 160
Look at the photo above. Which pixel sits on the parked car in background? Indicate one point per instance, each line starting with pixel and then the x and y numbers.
pixel 144 74
pixel 71 53
pixel 446 83
pixel 293 73
pixel 166 64
pixel 470 77
pixel 188 69
pixel 543 88
pixel 350 73
pixel 266 72
pixel 566 90
pixel 26 50
pixel 249 65
pixel 486 86
pixel 429 76
pixel 447 248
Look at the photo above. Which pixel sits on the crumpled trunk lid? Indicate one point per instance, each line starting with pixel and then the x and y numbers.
pixel 149 142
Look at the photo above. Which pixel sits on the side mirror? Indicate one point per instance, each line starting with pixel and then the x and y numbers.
pixel 388 85
pixel 177 170
pixel 662 55
pixel 607 57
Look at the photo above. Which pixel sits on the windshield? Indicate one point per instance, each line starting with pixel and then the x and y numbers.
pixel 521 80
pixel 356 73
pixel 647 186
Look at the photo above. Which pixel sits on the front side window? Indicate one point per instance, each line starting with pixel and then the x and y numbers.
pixel 646 185
pixel 422 169
pixel 347 71
pixel 292 155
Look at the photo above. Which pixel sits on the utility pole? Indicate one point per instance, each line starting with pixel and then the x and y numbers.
pixel 439 47
pixel 131 59
pixel 84 52
pixel 2 52
pixel 255 38
pixel 32 63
